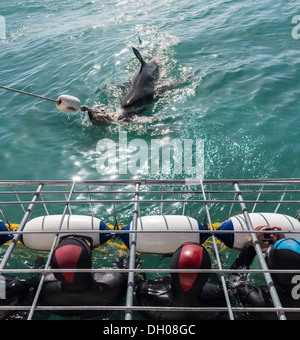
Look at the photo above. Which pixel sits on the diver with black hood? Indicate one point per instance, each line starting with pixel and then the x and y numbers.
pixel 283 253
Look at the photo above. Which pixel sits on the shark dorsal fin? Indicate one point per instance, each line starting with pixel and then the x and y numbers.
pixel 138 55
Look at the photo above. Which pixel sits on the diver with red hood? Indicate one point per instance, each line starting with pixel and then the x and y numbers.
pixel 81 288
pixel 69 288
pixel 184 289
pixel 193 290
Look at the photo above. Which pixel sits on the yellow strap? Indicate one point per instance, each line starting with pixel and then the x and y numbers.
pixel 12 227
pixel 209 243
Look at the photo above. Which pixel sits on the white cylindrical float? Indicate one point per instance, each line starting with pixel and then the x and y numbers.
pixel 237 223
pixel 42 230
pixel 165 241
pixel 69 104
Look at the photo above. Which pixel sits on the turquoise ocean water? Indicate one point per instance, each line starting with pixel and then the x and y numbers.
pixel 242 101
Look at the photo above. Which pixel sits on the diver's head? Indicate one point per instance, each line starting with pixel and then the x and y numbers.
pixel 73 252
pixel 188 286
pixel 285 254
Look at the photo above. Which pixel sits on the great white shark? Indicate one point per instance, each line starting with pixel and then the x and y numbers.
pixel 141 92
pixel 142 89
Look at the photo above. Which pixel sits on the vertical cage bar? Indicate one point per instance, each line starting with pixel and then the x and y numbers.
pixel 22 206
pixel 260 255
pixel 185 198
pixel 281 199
pixel 130 285
pixel 258 197
pixel 91 203
pixel 114 206
pixel 227 298
pixel 16 238
pixel 38 291
pixel 162 200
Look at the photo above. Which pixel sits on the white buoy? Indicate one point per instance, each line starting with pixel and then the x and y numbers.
pixel 164 242
pixel 42 230
pixel 238 223
pixel 69 104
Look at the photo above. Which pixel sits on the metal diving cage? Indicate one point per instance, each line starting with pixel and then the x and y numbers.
pixel 124 201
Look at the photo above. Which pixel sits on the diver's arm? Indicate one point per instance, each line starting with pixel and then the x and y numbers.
pixel 245 258
pixel 248 253
pixel 243 261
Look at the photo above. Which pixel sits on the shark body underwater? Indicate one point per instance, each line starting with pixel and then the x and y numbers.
pixel 140 93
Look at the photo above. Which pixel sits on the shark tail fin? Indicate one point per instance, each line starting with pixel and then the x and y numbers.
pixel 138 55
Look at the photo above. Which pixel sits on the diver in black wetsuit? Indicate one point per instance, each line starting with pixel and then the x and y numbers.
pixel 284 254
pixel 70 288
pixel 17 291
pixel 183 289
pixel 80 289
